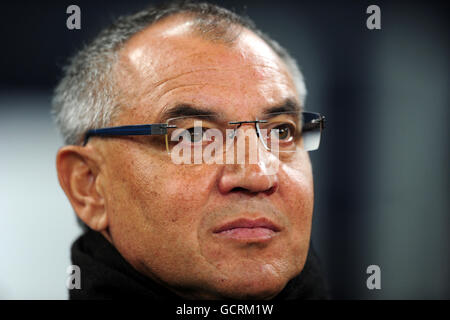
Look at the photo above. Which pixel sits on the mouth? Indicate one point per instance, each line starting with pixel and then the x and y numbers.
pixel 248 230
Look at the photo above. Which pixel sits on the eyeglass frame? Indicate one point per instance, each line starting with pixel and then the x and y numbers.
pixel 161 128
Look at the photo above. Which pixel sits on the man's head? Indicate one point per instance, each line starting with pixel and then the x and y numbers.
pixel 174 223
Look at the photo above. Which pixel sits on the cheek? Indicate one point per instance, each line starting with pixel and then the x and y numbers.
pixel 154 208
pixel 297 191
pixel 166 196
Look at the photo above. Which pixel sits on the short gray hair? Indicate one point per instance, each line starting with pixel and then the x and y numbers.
pixel 86 98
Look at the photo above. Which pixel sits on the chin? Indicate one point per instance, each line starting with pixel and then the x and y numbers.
pixel 256 291
pixel 254 287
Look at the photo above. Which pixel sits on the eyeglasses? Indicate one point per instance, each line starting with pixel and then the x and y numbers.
pixel 281 132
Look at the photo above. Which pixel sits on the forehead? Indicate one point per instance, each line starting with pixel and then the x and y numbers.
pixel 168 64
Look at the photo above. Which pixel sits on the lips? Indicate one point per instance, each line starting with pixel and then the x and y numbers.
pixel 245 229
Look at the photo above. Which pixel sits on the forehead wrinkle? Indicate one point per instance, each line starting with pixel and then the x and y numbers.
pixel 155 85
pixel 219 67
pixel 159 83
pixel 150 90
pixel 266 63
pixel 169 89
pixel 246 59
pixel 189 85
pixel 139 56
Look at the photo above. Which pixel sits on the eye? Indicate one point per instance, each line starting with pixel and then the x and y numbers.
pixel 283 132
pixel 196 134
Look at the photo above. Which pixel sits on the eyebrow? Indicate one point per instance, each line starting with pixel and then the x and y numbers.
pixel 187 110
pixel 289 105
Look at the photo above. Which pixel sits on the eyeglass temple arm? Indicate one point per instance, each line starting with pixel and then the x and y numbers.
pixel 136 130
pixel 314 124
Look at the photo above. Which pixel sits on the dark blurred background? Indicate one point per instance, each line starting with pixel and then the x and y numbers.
pixel 381 174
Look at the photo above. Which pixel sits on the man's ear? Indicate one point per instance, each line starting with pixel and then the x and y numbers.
pixel 79 176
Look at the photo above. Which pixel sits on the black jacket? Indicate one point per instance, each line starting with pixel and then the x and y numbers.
pixel 105 274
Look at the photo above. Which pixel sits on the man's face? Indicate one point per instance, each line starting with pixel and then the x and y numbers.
pixel 164 218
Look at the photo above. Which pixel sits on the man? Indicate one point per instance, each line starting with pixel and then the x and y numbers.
pixel 164 227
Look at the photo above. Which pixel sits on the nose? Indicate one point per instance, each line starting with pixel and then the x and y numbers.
pixel 247 178
pixel 251 177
